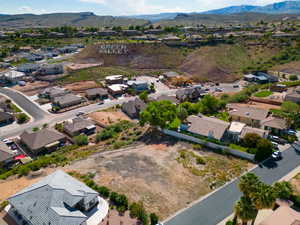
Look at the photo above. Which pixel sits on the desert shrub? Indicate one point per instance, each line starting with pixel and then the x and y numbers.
pixel 22 118
pixel 81 140
pixel 153 219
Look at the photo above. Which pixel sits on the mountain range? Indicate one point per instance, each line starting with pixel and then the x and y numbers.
pixel 285 7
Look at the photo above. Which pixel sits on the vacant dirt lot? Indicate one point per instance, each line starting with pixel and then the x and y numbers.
pixel 81 86
pixel 257 105
pixel 32 88
pixel 156 175
pixel 107 118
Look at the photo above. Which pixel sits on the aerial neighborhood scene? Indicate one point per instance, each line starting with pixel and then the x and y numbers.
pixel 150 112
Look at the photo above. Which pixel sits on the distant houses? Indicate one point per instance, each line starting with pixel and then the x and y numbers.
pixel 96 93
pixel 13 76
pixel 261 78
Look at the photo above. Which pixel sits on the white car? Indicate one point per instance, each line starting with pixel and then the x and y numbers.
pixel 277 155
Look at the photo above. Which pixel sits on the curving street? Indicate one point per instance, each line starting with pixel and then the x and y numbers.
pixel 217 206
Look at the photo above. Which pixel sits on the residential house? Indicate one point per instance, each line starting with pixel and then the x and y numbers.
pixel 53 92
pixel 248 115
pixel 138 86
pixel 170 74
pixel 6 154
pixel 6 118
pixel 293 96
pixel 114 79
pixel 96 93
pixel 278 88
pixel 56 35
pixel 131 32
pixel 154 31
pixel 189 94
pixel 107 33
pixel 250 77
pixel 34 57
pixel 117 89
pixel 28 68
pixel 44 140
pixel 133 108
pixel 79 126
pixel 252 130
pixel 67 100
pixel 50 69
pixel 4 65
pixel 207 127
pixel 283 215
pixel 171 38
pixel 67 49
pixel 270 78
pixel 13 76
pixel 58 199
pixel 275 125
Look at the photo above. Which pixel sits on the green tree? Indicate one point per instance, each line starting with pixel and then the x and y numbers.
pixel 264 198
pixel 264 150
pixel 210 105
pixel 245 210
pixel 249 184
pixel 159 114
pixel 144 96
pixel 22 118
pixel 283 190
pixel 81 140
pixel 290 107
pixel 182 113
pixel 153 219
pixel 35 129
pixel 190 107
pixel 250 140
pixel 293 77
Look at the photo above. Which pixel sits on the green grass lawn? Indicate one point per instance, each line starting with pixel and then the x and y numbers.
pixel 238 147
pixel 263 94
pixel 15 108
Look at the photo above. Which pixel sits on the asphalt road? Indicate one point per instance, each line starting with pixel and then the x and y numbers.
pixel 31 108
pixel 217 206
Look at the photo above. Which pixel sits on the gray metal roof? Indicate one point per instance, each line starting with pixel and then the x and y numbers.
pixel 51 201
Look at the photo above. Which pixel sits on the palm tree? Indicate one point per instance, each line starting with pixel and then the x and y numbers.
pixel 245 210
pixel 249 184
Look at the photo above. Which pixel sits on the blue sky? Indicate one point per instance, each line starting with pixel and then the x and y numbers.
pixel 119 7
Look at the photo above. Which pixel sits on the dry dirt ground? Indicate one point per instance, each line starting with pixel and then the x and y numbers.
pixel 108 118
pixel 32 88
pixel 153 174
pixel 79 87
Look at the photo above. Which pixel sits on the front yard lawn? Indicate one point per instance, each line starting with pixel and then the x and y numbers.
pixel 263 94
pixel 238 147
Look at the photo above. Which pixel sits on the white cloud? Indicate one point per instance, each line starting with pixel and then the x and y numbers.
pixel 28 9
pixel 125 7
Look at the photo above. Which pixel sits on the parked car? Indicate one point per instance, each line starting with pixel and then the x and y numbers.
pixel 277 155
pixel 7 141
pixel 101 102
pixel 80 113
pixel 236 86
pixel 218 90
pixel 277 139
pixel 291 132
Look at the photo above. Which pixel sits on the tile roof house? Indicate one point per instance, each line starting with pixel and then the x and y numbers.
pixel 275 124
pixel 207 126
pixel 57 199
pixel 248 115
pixel 79 126
pixel 284 215
pixel 293 96
pixel 42 140
pixel 238 131
pixel 6 154
pixel 251 130
pixel 133 108
pixel 13 76
pixel 67 100
pixel 50 69
pixel 95 93
pixel 53 92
